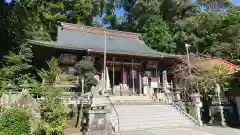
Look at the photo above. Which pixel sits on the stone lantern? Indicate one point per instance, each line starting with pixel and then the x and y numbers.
pixel 196 98
pixel 197 102
pixel 177 96
pixel 218 95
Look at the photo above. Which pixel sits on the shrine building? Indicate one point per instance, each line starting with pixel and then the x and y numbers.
pixel 127 56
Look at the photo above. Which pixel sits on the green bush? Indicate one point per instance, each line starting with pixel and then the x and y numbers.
pixel 53 113
pixel 14 122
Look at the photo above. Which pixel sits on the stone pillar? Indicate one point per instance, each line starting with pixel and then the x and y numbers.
pixel 238 106
pixel 140 82
pixel 124 75
pixel 198 105
pixel 164 80
pixel 177 96
pixel 169 96
pixel 218 93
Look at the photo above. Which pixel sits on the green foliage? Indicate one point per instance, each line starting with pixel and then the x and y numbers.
pixel 34 19
pixel 213 32
pixel 84 66
pixel 205 74
pixel 158 21
pixel 12 27
pixel 51 74
pixel 14 122
pixel 110 17
pixel 211 27
pixel 53 113
pixel 158 35
pixel 17 68
pixel 86 70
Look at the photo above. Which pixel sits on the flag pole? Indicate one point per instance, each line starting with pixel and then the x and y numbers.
pixel 104 63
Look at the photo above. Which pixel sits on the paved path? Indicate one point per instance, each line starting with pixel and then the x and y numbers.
pixel 219 130
pixel 179 131
pixel 186 131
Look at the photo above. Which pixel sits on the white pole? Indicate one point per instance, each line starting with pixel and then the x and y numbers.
pixel 188 58
pixel 82 81
pixel 81 102
pixel 104 63
pixel 113 81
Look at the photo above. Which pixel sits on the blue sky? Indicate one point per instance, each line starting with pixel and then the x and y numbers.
pixel 237 2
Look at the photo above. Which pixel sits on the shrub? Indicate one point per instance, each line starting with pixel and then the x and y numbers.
pixel 14 122
pixel 53 113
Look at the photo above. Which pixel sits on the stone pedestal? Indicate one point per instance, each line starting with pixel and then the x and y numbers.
pixel 121 90
pixel 99 101
pixel 169 96
pixel 98 119
pixel 198 111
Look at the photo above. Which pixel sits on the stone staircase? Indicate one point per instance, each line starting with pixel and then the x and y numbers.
pixel 116 100
pixel 144 114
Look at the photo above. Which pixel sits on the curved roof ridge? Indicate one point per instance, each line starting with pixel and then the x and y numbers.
pixel 90 29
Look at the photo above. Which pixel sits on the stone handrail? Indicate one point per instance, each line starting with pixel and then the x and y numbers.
pixel 185 113
pixel 112 105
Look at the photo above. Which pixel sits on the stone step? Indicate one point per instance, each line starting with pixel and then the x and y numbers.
pixel 132 117
pixel 159 119
pixel 145 110
pixel 142 115
pixel 151 126
pixel 137 103
pixel 143 106
pixel 129 98
pixel 139 110
pixel 154 122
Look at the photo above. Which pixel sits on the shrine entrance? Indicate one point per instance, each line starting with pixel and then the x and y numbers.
pixel 124 75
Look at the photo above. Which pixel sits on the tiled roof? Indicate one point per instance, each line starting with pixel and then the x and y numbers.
pixel 230 66
pixel 78 37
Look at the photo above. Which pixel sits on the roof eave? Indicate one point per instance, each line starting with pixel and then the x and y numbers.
pixel 39 43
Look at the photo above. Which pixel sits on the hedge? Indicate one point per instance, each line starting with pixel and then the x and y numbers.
pixel 14 122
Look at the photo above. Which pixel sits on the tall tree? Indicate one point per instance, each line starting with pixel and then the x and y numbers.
pixel 12 26
pixel 158 36
pixel 110 16
pixel 17 69
pixel 159 21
